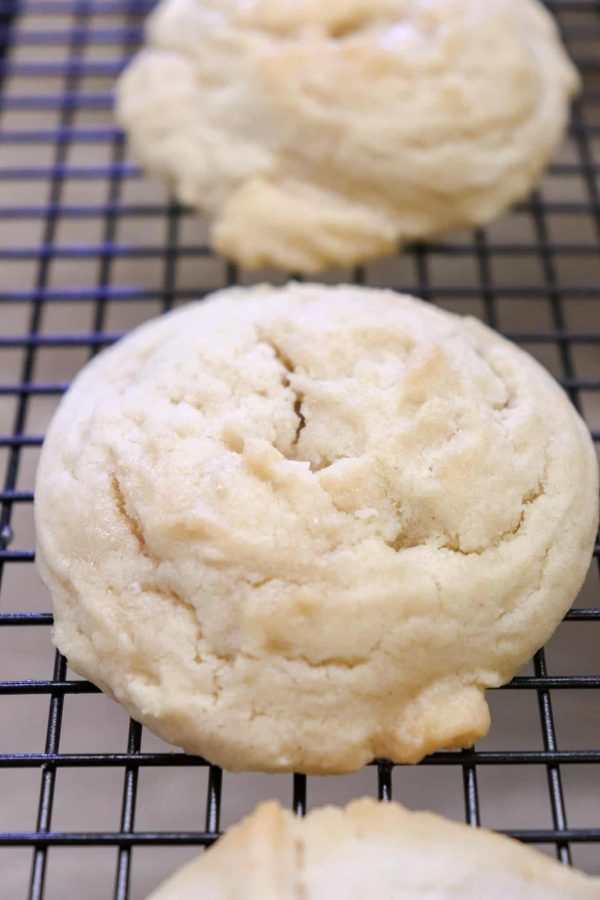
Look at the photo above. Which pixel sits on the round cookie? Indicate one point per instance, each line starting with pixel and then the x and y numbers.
pixel 321 133
pixel 300 528
pixel 370 850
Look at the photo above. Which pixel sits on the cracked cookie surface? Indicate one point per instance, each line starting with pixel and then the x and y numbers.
pixel 367 850
pixel 300 528
pixel 322 132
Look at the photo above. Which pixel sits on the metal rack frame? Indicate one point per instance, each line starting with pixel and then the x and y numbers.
pixel 86 28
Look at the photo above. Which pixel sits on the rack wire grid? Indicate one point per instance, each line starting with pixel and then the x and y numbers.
pixel 89 802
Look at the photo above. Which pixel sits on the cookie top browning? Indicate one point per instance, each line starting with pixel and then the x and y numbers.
pixel 321 133
pixel 369 850
pixel 300 528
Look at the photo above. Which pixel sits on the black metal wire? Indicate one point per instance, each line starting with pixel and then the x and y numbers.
pixel 204 838
pixel 384 768
pixel 384 780
pixel 79 686
pixel 555 789
pixel 38 869
pixel 81 91
pixel 299 795
pixel 135 293
pixel 130 784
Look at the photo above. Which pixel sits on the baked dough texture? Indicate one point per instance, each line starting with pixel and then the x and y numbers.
pixel 299 528
pixel 323 132
pixel 368 850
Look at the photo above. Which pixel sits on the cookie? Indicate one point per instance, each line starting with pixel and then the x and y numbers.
pixel 299 528
pixel 320 133
pixel 370 850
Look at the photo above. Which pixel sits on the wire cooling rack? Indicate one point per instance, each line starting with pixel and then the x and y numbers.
pixel 88 248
